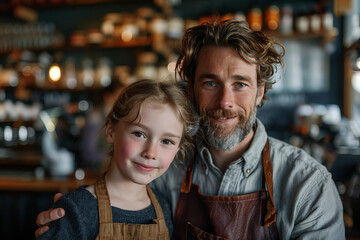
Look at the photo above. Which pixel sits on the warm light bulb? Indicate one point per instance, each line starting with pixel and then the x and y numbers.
pixel 55 73
pixel 108 27
pixel 23 133
pixel 126 36
pixel 171 66
pixel 357 63
pixel 356 81
pixel 8 134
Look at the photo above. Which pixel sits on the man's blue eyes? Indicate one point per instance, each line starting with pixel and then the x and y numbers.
pixel 212 84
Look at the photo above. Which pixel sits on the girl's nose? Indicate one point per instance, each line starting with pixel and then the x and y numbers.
pixel 150 151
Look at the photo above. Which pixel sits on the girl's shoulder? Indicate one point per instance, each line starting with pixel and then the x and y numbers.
pixel 77 198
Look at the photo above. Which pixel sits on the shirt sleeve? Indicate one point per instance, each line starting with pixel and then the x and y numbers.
pixel 319 211
pixel 74 225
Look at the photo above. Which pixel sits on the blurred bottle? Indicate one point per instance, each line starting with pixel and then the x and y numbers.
pixel 103 73
pixel 301 22
pixel 143 18
pixel 286 22
pixel 272 17
pixel 255 19
pixel 315 19
pixel 146 66
pixel 327 20
pixel 87 73
pixel 70 74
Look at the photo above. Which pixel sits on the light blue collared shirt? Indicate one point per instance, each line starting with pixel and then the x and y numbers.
pixel 307 202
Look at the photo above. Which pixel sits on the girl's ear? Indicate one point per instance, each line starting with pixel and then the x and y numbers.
pixel 109 131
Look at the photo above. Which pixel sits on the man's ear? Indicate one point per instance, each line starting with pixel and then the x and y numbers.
pixel 260 94
pixel 109 133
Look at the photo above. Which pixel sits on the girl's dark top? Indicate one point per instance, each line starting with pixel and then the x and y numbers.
pixel 81 220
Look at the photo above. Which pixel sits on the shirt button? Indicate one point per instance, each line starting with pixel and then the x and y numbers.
pixel 247 171
pixel 204 166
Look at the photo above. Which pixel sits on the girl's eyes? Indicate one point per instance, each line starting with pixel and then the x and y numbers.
pixel 139 134
pixel 168 142
pixel 164 141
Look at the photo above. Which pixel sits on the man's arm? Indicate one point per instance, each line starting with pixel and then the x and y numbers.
pixel 44 218
pixel 320 213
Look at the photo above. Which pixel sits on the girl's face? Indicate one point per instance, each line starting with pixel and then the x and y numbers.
pixel 145 148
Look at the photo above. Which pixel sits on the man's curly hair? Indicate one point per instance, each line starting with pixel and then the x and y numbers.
pixel 253 46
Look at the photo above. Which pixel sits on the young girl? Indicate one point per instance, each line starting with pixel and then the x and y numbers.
pixel 148 125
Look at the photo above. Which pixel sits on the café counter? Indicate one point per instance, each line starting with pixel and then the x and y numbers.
pixel 12 183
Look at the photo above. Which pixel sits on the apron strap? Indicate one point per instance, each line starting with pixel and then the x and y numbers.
pixel 270 216
pixel 159 213
pixel 186 183
pixel 105 212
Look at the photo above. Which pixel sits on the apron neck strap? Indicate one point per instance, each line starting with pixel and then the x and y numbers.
pixel 270 216
pixel 105 213
pixel 104 206
pixel 155 203
pixel 186 183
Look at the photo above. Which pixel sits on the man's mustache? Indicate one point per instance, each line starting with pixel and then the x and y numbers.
pixel 221 113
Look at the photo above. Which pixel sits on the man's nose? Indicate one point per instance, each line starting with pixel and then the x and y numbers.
pixel 150 151
pixel 226 98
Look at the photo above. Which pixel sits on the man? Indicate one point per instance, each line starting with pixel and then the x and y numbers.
pixel 241 184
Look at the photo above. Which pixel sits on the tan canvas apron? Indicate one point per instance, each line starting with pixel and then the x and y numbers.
pixel 249 216
pixel 109 230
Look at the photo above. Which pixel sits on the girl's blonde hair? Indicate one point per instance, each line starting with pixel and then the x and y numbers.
pixel 167 92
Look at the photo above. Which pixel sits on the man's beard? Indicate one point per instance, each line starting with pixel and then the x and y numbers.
pixel 226 143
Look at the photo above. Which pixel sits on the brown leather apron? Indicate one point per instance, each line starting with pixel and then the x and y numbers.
pixel 110 230
pixel 249 216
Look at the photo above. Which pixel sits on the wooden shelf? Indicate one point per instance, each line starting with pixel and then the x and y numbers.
pixel 42 185
pixel 19 157
pixel 8 6
pixel 113 43
pixel 137 42
pixel 324 36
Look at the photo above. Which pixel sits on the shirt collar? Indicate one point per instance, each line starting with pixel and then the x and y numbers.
pixel 251 157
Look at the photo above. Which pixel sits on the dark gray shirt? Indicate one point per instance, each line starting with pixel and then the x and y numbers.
pixel 81 219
